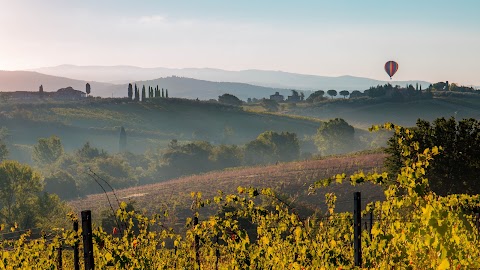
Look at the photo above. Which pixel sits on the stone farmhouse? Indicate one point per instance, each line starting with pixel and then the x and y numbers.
pixel 67 93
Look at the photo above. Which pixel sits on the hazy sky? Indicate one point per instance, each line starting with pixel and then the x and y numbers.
pixel 433 40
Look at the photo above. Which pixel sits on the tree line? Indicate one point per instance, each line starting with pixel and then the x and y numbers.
pixel 135 94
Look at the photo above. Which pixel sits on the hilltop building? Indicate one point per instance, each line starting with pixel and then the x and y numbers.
pixel 295 97
pixel 67 93
pixel 277 97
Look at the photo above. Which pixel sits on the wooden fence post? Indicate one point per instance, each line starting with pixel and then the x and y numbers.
pixel 357 228
pixel 59 257
pixel 371 224
pixel 197 243
pixel 478 221
pixel 87 240
pixel 76 257
pixel 217 253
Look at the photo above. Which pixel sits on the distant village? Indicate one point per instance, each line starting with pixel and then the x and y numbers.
pixel 67 93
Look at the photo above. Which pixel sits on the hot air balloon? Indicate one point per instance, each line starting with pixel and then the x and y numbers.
pixel 391 67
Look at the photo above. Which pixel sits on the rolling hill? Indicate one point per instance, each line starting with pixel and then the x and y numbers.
pixel 194 88
pixel 178 87
pixel 291 179
pixel 364 113
pixel 149 125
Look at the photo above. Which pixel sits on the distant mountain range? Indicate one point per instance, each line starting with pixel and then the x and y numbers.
pixel 275 79
pixel 186 83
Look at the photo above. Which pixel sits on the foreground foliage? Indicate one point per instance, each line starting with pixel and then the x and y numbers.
pixel 456 169
pixel 257 229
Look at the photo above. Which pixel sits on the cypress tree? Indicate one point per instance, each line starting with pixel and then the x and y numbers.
pixel 163 93
pixel 166 93
pixel 87 89
pixel 122 144
pixel 136 93
pixel 143 94
pixel 40 90
pixel 130 91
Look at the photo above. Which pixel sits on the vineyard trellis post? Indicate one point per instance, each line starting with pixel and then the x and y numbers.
pixel 76 257
pixel 371 224
pixel 477 215
pixel 357 228
pixel 197 244
pixel 217 253
pixel 59 256
pixel 87 240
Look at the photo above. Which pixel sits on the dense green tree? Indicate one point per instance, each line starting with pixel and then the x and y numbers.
pixel 344 93
pixel 316 96
pixel 332 93
pixel 47 150
pixel 226 156
pixel 455 169
pixel 295 94
pixel 62 184
pixel 166 93
pixel 18 185
pixel 259 152
pixel 379 90
pixel 271 147
pixel 356 94
pixel 87 152
pixel 87 89
pixel 143 94
pixel 130 91
pixel 229 99
pixel 116 171
pixel 21 202
pixel 188 158
pixel 335 136
pixel 163 93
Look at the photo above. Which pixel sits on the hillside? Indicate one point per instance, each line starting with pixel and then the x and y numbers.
pixel 364 113
pixel 291 179
pixel 268 78
pixel 149 125
pixel 178 87
pixel 193 88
